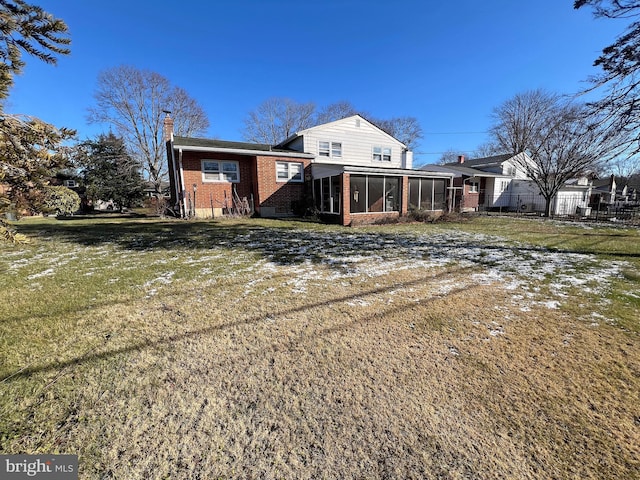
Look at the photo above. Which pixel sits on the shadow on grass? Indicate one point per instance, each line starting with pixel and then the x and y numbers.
pixel 92 355
pixel 283 242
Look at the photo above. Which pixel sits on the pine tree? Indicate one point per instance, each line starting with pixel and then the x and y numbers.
pixel 110 172
pixel 27 28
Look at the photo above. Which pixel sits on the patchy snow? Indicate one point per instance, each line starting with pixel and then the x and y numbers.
pixel 45 273
pixel 308 259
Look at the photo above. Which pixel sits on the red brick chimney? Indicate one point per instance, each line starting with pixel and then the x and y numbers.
pixel 460 158
pixel 167 128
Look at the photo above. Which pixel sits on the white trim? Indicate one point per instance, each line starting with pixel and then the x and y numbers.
pixel 191 148
pixel 289 178
pixel 330 149
pixel 221 171
pixel 381 154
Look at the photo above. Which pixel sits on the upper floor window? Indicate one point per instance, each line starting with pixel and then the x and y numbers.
pixel 220 171
pixel 330 149
pixel 382 154
pixel 289 171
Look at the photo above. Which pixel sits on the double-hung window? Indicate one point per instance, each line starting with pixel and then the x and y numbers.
pixel 382 154
pixel 220 171
pixel 289 171
pixel 330 149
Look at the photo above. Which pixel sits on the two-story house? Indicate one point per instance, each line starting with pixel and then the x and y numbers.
pixel 500 182
pixel 349 170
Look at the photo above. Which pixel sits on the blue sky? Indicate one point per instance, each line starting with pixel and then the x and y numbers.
pixel 446 63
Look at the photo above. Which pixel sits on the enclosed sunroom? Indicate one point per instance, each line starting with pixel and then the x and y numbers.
pixel 357 195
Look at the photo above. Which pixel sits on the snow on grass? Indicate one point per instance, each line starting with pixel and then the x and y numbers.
pixel 307 259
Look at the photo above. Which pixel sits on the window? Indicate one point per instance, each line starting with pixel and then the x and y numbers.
pixel 374 194
pixel 382 154
pixel 289 171
pixel 336 149
pixel 330 149
pixel 427 193
pixel 69 183
pixel 474 186
pixel 504 185
pixel 220 171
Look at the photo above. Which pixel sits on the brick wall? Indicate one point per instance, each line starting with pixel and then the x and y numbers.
pixel 276 198
pixel 257 180
pixel 218 193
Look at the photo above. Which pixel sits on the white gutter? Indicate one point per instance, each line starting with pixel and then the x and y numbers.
pixel 396 171
pixel 240 151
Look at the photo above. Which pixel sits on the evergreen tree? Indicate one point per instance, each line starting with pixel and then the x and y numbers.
pixel 30 149
pixel 27 28
pixel 110 172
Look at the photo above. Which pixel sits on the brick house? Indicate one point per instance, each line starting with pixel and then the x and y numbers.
pixel 348 170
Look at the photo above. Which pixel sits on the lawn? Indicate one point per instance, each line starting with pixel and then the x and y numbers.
pixel 488 348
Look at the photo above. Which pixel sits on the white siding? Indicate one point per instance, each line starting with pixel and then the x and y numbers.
pixel 357 143
pixel 494 196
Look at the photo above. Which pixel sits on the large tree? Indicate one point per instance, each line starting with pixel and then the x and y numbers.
pixel 30 149
pixel 27 28
pixel 557 135
pixel 405 129
pixel 109 172
pixel 336 111
pixel 31 152
pixel 451 155
pixel 619 80
pixel 276 119
pixel 133 101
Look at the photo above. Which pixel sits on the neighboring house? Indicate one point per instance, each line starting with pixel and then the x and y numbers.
pixel 501 183
pixel 604 192
pixel 348 170
pixel 607 193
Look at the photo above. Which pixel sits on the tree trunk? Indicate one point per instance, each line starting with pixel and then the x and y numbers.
pixel 547 206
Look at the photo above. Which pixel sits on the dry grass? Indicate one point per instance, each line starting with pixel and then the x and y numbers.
pixel 420 372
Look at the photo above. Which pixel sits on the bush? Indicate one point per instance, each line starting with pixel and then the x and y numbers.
pixel 430 216
pixel 60 200
pixel 426 216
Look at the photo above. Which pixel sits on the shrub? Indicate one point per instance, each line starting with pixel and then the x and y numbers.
pixel 60 200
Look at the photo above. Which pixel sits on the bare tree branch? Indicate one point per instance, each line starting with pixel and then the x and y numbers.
pixel 559 136
pixel 132 101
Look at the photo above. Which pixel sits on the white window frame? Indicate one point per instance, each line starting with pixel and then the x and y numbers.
pixel 286 167
pixel 329 149
pixel 474 186
pixel 69 183
pixel 222 172
pixel 381 154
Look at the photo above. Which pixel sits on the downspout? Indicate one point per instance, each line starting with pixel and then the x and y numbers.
pixel 183 202
pixel 175 172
